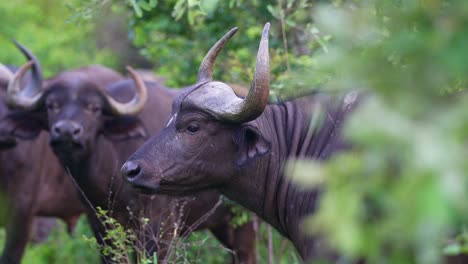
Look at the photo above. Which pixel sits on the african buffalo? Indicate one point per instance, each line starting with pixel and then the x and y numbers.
pixel 92 132
pixel 216 140
pixel 32 183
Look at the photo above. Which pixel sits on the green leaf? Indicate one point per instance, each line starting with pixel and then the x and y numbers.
pixel 453 249
pixel 153 3
pixel 274 11
pixel 136 8
pixel 209 6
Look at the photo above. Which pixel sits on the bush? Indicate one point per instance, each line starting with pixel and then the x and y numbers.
pixel 42 27
pixel 61 247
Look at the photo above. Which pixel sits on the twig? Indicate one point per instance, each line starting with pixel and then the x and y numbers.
pixel 270 245
pixel 284 242
pixel 257 236
pixel 194 226
pixel 90 205
pixel 283 33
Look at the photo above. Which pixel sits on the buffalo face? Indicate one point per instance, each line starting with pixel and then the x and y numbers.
pixel 192 153
pixel 209 136
pixel 74 116
pixel 75 107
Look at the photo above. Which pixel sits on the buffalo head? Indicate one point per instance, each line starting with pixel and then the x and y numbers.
pixel 73 106
pixel 209 134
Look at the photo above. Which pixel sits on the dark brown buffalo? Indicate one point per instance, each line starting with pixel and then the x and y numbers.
pixel 216 140
pixel 32 183
pixel 93 132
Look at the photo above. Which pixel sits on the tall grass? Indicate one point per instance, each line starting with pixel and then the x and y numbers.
pixel 199 247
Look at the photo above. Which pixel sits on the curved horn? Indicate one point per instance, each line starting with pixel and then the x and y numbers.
pixel 138 101
pixel 29 97
pixel 20 98
pixel 257 98
pixel 240 111
pixel 205 72
pixel 5 74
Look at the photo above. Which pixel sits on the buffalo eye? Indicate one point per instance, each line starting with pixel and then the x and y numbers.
pixel 53 106
pixel 93 108
pixel 193 128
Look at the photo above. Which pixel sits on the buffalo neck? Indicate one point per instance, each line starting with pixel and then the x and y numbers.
pixel 308 127
pixel 90 171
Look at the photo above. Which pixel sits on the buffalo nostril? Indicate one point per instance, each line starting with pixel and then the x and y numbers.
pixel 77 130
pixel 131 170
pixel 56 129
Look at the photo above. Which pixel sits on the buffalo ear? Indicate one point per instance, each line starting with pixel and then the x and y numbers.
pixel 251 144
pixel 123 128
pixel 22 125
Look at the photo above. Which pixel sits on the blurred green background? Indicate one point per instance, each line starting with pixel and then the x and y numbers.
pixel 398 197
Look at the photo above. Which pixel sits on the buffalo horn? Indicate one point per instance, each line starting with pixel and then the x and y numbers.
pixel 29 97
pixel 205 72
pixel 138 101
pixel 252 106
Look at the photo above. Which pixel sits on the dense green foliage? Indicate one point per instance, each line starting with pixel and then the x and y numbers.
pixel 398 197
pixel 176 34
pixel 41 26
pixel 60 247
